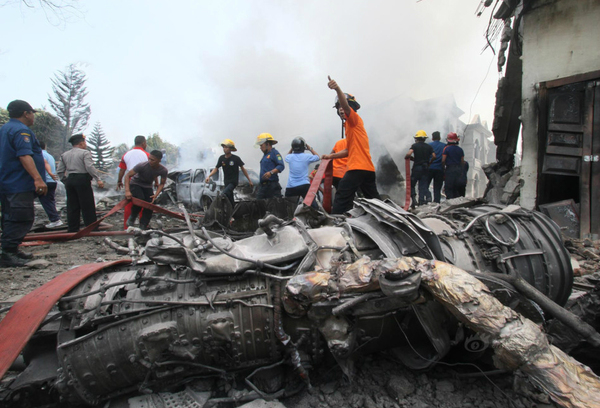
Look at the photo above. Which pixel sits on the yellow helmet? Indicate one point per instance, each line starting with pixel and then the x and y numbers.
pixel 421 134
pixel 264 137
pixel 229 143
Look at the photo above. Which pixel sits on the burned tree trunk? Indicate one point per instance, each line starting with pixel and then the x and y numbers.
pixel 517 341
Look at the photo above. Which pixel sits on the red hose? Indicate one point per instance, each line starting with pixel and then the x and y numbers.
pixel 407 202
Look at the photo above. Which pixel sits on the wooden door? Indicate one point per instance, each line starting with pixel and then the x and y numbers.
pixel 567 163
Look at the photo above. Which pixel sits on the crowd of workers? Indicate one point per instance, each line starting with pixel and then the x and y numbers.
pixel 444 164
pixel 27 171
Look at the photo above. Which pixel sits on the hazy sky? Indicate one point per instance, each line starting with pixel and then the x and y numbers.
pixel 201 71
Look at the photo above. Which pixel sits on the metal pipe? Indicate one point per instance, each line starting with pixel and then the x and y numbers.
pixel 67 235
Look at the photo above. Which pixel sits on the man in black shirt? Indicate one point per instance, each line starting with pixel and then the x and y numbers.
pixel 423 156
pixel 231 168
pixel 138 184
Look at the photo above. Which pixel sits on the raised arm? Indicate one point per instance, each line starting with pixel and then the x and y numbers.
pixel 341 97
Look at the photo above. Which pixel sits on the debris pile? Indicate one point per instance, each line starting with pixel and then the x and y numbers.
pixel 504 186
pixel 318 291
pixel 585 256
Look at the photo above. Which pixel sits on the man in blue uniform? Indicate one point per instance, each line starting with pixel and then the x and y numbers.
pixel 22 174
pixel 436 173
pixel 453 160
pixel 270 166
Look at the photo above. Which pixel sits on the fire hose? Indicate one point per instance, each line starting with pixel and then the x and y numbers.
pixel 408 188
pixel 89 230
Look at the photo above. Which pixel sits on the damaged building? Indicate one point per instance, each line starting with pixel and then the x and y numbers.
pixel 550 93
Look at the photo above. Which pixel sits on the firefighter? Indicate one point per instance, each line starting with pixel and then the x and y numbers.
pixel 453 161
pixel 360 171
pixel 423 156
pixel 270 166
pixel 231 164
pixel 339 165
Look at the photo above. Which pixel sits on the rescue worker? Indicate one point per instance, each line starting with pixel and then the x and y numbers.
pixel 138 184
pixel 231 165
pixel 339 165
pixel 436 172
pixel 298 160
pixel 270 166
pixel 48 201
pixel 423 155
pixel 76 170
pixel 453 160
pixel 129 160
pixel 22 177
pixel 360 172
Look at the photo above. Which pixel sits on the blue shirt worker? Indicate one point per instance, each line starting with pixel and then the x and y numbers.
pixel 298 182
pixel 22 176
pixel 453 160
pixel 436 172
pixel 270 166
pixel 48 201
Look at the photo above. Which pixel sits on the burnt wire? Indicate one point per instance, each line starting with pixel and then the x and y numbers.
pixel 487 31
pixel 137 280
pixel 483 373
pixel 477 93
pixel 184 303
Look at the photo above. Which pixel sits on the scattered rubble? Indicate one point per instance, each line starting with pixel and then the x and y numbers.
pixel 585 255
pixel 504 186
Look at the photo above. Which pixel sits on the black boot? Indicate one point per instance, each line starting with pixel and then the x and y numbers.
pixel 10 259
pixel 24 255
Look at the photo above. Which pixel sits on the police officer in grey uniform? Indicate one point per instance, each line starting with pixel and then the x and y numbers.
pixel 76 170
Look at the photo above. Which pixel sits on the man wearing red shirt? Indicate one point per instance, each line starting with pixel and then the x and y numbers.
pixel 129 160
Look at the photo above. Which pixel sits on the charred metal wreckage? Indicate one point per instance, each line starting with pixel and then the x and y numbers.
pixel 204 306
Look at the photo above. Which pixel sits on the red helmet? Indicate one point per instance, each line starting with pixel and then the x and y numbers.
pixel 452 138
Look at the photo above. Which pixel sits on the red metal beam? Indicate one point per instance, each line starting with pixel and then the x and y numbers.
pixel 325 171
pixel 26 315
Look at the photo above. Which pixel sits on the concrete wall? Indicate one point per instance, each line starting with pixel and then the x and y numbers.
pixel 561 38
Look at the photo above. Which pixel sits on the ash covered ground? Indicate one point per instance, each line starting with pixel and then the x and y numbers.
pixel 380 379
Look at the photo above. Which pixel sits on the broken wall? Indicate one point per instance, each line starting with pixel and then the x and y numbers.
pixel 560 39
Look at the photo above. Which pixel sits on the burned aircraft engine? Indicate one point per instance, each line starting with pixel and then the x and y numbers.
pixel 206 305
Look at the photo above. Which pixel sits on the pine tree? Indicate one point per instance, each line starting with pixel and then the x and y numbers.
pixel 101 149
pixel 70 91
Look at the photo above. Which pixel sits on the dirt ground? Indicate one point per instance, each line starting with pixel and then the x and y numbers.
pixel 380 381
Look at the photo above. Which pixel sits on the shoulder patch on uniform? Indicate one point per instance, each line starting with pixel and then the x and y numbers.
pixel 26 137
pixel 279 157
